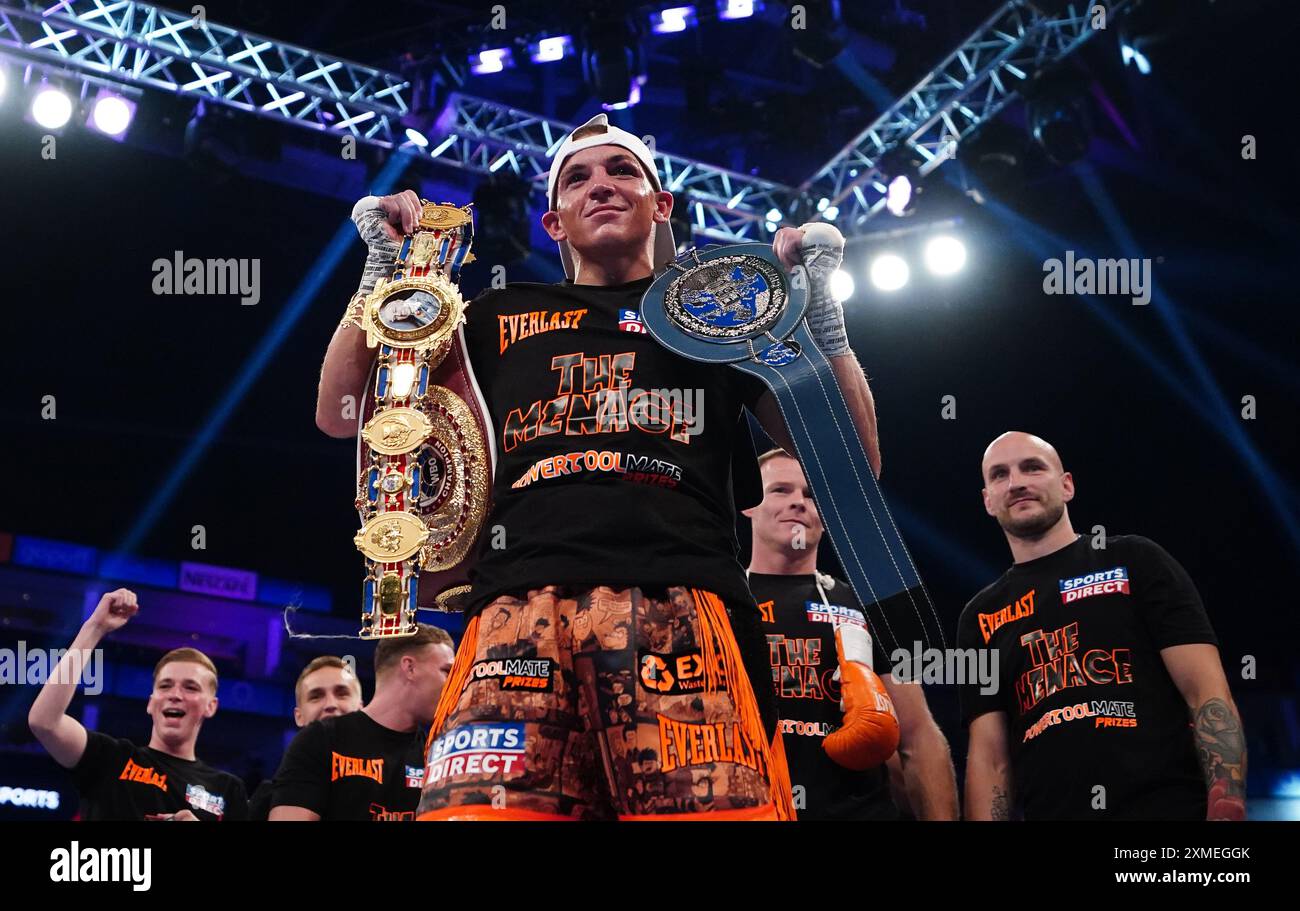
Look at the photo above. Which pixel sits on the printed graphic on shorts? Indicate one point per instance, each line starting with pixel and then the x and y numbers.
pixel 671 674
pixel 592 747
pixel 603 622
pixel 615 687
pixel 683 744
pixel 477 749
pixel 532 674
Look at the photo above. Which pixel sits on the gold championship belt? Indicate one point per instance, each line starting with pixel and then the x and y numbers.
pixel 424 465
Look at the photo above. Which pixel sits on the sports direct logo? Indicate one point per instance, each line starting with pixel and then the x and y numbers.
pixel 414 777
pixel 477 749
pixel 200 798
pixel 630 321
pixel 1108 582
pixel 834 613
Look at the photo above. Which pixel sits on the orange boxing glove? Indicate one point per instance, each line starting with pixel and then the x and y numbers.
pixel 870 732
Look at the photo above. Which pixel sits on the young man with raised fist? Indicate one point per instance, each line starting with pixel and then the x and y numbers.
pixel 118 779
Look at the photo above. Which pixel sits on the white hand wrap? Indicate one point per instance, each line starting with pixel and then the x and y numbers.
pixel 823 251
pixel 368 216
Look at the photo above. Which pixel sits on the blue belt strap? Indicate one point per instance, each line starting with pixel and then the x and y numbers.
pixel 852 507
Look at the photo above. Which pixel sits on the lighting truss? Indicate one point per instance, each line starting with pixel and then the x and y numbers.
pixel 975 82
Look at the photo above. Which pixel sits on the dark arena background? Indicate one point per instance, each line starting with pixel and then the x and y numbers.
pixel 165 442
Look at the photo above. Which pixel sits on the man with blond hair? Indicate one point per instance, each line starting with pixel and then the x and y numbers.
pixel 369 764
pixel 327 687
pixel 118 779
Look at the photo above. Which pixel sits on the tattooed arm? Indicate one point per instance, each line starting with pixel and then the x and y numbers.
pixel 988 768
pixel 1216 726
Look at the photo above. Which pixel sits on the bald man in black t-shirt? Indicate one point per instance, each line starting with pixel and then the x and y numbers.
pixel 1112 702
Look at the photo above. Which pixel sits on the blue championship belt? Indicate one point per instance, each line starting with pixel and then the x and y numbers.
pixel 735 305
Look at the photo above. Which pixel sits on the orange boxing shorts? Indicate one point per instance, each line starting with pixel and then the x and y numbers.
pixel 606 704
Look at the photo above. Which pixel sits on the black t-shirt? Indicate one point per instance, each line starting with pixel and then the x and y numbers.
pixel 1089 702
pixel 801 647
pixel 259 802
pixel 119 780
pixel 614 456
pixel 352 767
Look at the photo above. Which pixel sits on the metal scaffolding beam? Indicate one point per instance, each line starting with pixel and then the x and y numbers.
pixel 155 48
pixel 147 46
pixel 971 86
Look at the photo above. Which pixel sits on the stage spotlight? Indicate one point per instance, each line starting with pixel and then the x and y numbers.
pixel 1130 54
pixel 3 82
pixel 612 63
pixel 111 114
pixel 737 9
pixel 490 60
pixel 1057 112
pixel 51 108
pixel 1147 24
pixel 945 255
pixel 898 196
pixel 548 50
pixel 674 19
pixel 889 272
pixel 900 171
pixel 841 285
pixel 415 137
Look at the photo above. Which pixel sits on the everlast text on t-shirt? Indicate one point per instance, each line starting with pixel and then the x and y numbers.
pixel 119 780
pixel 1098 729
pixel 615 456
pixel 352 767
pixel 801 646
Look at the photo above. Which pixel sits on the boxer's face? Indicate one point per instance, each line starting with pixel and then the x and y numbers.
pixel 605 204
pixel 1025 486
pixel 184 694
pixel 326 692
pixel 787 517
